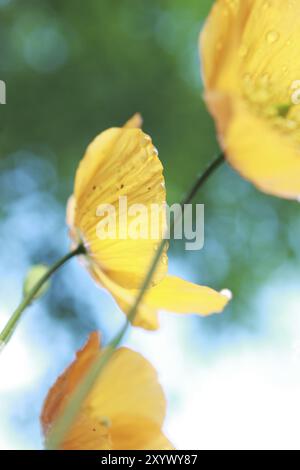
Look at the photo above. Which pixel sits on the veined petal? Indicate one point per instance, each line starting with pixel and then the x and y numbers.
pixel 179 296
pixel 134 402
pixel 64 386
pixel 86 433
pixel 173 294
pixel 146 317
pixel 135 122
pixel 219 41
pixel 252 37
pixel 124 410
pixel 251 72
pixel 122 163
pixel 128 391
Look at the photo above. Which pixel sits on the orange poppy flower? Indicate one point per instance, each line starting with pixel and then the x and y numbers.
pixel 251 72
pixel 125 409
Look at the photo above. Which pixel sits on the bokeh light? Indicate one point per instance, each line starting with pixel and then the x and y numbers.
pixel 232 380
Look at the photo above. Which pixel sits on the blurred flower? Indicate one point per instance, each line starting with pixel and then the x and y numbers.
pixel 249 53
pixel 124 162
pixel 124 410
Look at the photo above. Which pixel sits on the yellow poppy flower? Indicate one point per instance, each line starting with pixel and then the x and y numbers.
pixel 123 162
pixel 251 71
pixel 125 410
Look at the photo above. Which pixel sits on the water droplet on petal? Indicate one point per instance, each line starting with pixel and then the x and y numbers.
pixel 296 97
pixel 272 36
pixel 227 293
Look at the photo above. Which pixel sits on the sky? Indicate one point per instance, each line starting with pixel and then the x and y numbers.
pixel 237 390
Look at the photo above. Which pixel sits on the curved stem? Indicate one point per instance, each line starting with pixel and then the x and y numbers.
pixel 203 177
pixel 10 327
pixel 63 423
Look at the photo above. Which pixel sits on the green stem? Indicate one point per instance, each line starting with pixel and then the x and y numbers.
pixel 65 421
pixel 203 177
pixel 11 325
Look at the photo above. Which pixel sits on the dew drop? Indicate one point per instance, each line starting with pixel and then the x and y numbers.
pixel 296 97
pixel 272 36
pixel 227 293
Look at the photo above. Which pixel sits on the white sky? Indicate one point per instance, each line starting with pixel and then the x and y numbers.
pixel 241 392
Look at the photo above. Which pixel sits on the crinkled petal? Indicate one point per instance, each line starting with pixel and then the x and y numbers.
pixel 124 410
pixel 173 294
pixel 121 163
pixel 250 67
pixel 135 122
pixel 86 433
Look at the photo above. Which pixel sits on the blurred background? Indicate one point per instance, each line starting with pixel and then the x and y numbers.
pixel 72 69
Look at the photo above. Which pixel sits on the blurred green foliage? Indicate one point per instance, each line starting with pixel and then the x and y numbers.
pixel 74 68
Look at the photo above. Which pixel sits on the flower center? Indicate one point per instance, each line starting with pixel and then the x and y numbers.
pixel 283 112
